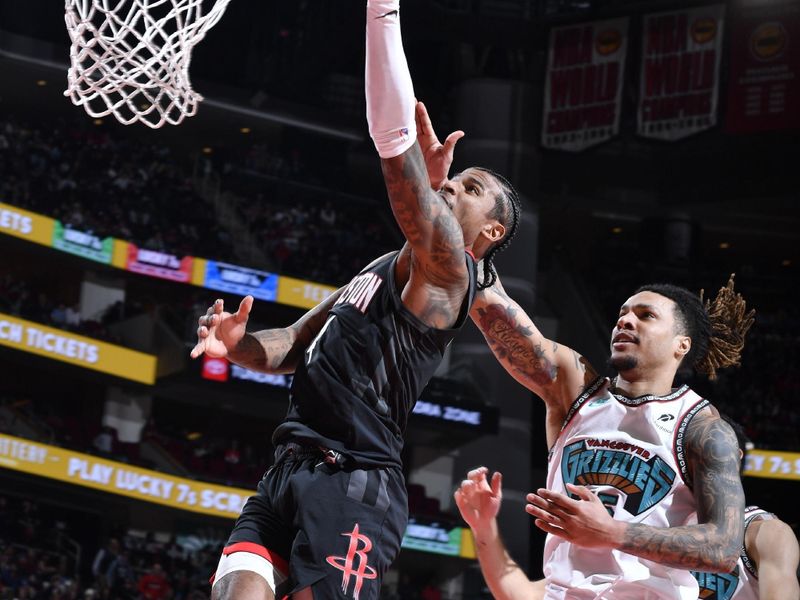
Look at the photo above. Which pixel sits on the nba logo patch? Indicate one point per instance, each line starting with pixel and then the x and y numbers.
pixel 404 132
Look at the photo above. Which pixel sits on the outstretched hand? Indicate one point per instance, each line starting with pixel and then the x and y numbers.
pixel 478 500
pixel 219 332
pixel 584 522
pixel 438 156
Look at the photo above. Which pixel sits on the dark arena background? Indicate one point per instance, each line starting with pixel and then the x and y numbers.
pixel 639 158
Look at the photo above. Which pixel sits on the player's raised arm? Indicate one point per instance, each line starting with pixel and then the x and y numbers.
pixel 554 372
pixel 426 219
pixel 223 334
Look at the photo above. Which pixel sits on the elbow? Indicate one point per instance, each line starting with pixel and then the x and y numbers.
pixel 727 559
pixel 727 563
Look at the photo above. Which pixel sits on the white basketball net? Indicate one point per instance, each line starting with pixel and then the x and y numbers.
pixel 130 58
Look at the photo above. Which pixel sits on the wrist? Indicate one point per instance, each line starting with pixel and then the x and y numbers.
pixel 616 534
pixel 485 532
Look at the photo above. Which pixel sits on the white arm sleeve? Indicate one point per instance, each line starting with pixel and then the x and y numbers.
pixel 390 93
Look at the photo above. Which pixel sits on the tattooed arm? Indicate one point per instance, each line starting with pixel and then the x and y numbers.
pixel 439 276
pixel 714 543
pixel 223 334
pixel 554 372
pixel 711 545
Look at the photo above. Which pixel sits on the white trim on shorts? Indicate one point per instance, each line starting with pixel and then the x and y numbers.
pixel 248 561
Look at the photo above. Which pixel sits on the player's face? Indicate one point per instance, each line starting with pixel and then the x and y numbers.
pixel 471 195
pixel 645 336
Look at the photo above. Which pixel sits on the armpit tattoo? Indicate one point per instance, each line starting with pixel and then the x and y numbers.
pixel 713 544
pixel 515 344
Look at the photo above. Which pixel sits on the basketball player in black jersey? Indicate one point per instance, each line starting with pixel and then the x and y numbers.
pixel 328 517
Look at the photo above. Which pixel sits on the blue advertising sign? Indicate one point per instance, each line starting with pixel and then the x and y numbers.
pixel 241 280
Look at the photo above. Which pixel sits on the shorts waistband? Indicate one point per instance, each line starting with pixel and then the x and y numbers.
pixel 299 451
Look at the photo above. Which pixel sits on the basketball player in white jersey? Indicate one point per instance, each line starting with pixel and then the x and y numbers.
pixel 643 479
pixel 768 559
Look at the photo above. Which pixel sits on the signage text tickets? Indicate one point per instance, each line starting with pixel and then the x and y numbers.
pixel 25 224
pixel 301 293
pixel 78 350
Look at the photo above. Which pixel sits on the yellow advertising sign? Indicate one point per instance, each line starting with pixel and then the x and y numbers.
pixel 773 464
pixel 301 293
pixel 119 478
pixel 75 349
pixel 26 225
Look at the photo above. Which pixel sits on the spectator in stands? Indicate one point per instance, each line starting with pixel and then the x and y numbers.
pixel 154 585
pixel 103 560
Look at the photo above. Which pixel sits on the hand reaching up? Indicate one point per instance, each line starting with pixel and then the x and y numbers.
pixel 438 156
pixel 478 500
pixel 219 332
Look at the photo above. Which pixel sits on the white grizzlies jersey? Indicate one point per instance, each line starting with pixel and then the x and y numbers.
pixel 629 451
pixel 742 582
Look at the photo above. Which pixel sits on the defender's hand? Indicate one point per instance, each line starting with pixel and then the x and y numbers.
pixel 438 156
pixel 477 500
pixel 219 332
pixel 583 522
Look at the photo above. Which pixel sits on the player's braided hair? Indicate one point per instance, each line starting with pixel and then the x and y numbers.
pixel 717 328
pixel 507 208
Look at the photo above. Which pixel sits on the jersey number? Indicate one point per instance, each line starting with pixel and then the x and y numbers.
pixel 315 341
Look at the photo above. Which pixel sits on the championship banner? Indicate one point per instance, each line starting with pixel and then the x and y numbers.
pixel 159 264
pixel 90 471
pixel 680 72
pixel 764 85
pixel 77 350
pixel 26 225
pixel 583 85
pixel 241 280
pixel 301 293
pixel 772 464
pixel 82 243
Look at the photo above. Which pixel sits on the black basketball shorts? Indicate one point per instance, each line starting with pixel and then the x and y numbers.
pixel 339 529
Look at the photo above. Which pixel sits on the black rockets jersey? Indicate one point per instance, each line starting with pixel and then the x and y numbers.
pixel 363 373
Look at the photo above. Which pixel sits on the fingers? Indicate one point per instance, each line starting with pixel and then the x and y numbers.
pixel 199 348
pixel 208 319
pixel 497 484
pixel 548 528
pixel 477 474
pixel 243 313
pixel 582 492
pixel 424 120
pixel 560 500
pixel 461 502
pixel 450 142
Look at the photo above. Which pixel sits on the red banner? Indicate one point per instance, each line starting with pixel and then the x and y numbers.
pixel 583 88
pixel 159 264
pixel 764 86
pixel 680 72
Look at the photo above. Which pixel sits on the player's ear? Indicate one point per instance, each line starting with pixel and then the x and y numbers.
pixel 494 231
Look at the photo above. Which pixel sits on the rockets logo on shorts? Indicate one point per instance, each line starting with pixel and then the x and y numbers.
pixel 361 290
pixel 717 586
pixel 645 479
pixel 355 563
